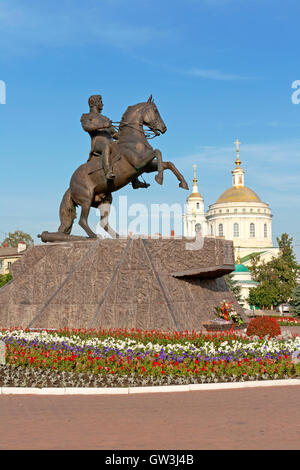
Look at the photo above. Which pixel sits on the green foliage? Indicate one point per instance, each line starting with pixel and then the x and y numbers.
pixel 277 278
pixel 263 296
pixel 295 301
pixel 16 237
pixel 4 279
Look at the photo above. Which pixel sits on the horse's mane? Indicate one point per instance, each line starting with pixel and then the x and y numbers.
pixel 130 110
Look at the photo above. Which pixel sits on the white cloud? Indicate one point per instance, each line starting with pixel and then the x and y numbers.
pixel 38 25
pixel 214 74
pixel 215 3
pixel 274 165
pixel 272 152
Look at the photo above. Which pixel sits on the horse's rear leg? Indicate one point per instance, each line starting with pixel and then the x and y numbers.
pixel 85 210
pixel 67 213
pixel 104 208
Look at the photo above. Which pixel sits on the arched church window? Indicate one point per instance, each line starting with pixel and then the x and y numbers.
pixel 198 205
pixel 221 231
pixel 211 230
pixel 265 230
pixel 236 230
pixel 252 230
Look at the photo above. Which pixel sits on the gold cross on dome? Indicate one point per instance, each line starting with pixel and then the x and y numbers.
pixel 238 161
pixel 237 143
pixel 195 177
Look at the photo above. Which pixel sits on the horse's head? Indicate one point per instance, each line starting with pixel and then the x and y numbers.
pixel 152 118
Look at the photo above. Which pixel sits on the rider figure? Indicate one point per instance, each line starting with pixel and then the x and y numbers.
pixel 102 133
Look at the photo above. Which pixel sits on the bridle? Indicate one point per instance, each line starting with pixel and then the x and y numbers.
pixel 149 133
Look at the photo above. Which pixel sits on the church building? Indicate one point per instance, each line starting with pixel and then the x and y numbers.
pixel 238 215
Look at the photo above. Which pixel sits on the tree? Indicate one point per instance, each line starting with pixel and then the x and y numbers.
pixel 16 237
pixel 234 287
pixel 4 279
pixel 295 301
pixel 263 296
pixel 277 278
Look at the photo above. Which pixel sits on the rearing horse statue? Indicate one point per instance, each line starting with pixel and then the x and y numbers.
pixel 131 156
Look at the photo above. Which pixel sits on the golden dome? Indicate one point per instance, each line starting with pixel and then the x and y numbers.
pixel 238 194
pixel 195 196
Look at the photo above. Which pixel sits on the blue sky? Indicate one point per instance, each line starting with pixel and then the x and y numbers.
pixel 218 70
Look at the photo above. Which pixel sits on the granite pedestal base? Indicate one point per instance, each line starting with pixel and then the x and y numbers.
pixel 125 283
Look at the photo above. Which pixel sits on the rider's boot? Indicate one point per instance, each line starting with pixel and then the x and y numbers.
pixel 136 183
pixel 108 165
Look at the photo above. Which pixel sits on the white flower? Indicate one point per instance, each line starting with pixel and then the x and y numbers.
pixel 268 345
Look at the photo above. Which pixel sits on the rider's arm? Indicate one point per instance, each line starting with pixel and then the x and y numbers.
pixel 93 123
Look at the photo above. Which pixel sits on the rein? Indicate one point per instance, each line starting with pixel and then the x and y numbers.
pixel 149 134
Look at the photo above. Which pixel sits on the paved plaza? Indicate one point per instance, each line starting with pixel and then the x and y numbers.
pixel 259 418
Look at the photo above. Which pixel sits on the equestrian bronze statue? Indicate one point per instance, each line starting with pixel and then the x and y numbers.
pixel 116 159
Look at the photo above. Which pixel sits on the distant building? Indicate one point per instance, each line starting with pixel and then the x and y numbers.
pixel 195 219
pixel 9 255
pixel 242 278
pixel 238 215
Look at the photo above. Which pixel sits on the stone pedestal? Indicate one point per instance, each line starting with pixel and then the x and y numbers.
pixel 125 283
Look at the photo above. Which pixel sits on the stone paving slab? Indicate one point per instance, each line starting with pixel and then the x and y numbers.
pixel 263 418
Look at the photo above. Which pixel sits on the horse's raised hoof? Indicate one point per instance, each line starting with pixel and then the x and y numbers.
pixel 159 179
pixel 183 185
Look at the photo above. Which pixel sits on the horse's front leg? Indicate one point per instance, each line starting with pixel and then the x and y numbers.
pixel 160 168
pixel 170 166
pixel 153 166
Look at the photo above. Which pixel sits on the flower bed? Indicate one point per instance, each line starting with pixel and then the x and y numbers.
pixel 134 358
pixel 288 321
pixel 225 311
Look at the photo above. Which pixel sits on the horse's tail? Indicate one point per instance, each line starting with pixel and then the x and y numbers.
pixel 67 213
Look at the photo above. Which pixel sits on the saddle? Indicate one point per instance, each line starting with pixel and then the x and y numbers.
pixel 95 162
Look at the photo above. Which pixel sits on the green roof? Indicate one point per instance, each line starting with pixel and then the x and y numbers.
pixel 240 268
pixel 247 282
pixel 255 253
